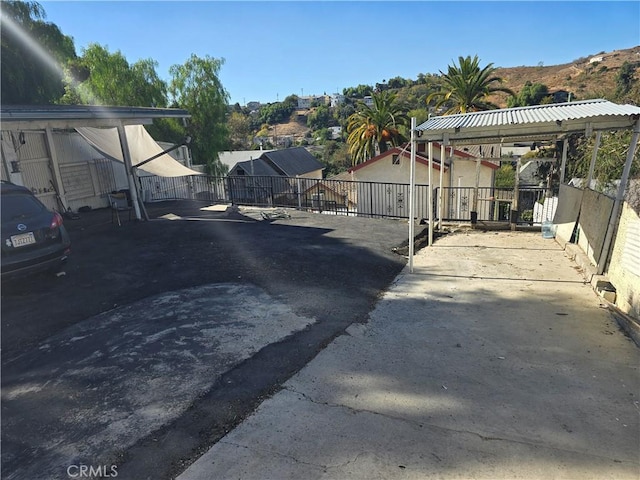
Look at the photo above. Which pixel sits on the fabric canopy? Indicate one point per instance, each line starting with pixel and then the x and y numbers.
pixel 141 148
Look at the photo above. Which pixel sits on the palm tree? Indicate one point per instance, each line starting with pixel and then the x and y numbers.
pixel 467 87
pixel 372 128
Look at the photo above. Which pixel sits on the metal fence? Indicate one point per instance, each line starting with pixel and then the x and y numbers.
pixel 343 197
pixel 491 204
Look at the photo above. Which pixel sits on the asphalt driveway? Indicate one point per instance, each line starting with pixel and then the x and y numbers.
pixel 161 336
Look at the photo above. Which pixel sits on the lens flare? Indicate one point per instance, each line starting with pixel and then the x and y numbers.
pixel 45 57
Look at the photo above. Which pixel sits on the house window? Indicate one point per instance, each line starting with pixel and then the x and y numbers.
pixel 395 160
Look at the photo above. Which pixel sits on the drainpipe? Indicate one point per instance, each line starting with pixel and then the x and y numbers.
pixel 614 219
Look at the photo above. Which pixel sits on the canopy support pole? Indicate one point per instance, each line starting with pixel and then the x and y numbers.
pixel 126 155
pixel 613 220
pixel 412 201
pixel 55 170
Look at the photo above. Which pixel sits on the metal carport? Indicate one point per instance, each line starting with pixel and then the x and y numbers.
pixel 553 122
pixel 65 117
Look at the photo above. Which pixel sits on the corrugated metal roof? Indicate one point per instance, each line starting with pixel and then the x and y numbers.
pixel 552 119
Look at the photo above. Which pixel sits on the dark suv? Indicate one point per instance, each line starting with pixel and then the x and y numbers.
pixel 33 237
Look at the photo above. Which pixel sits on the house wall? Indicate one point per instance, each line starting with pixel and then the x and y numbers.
pixel 316 174
pixel 394 200
pixel 86 175
pixel 383 170
pixel 464 174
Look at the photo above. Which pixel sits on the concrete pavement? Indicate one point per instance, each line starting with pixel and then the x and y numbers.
pixel 493 360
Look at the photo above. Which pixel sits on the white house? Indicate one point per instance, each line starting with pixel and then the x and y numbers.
pixel 458 170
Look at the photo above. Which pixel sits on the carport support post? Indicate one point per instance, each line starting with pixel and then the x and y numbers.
pixel 126 155
pixel 474 210
pixel 412 200
pixel 514 203
pixel 443 153
pixel 565 148
pixel 593 159
pixel 430 193
pixel 613 220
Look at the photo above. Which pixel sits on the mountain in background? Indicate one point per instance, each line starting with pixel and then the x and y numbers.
pixel 589 77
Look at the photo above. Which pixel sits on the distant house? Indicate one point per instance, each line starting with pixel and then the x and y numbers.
pixel 311 100
pixel 337 99
pixel 331 195
pixel 393 166
pixel 290 162
pixel 336 132
pixel 274 176
pixel 231 158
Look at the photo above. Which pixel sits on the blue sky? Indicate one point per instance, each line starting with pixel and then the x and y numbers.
pixel 275 49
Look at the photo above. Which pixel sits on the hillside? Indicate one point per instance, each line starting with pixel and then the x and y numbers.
pixel 582 77
pixel 585 78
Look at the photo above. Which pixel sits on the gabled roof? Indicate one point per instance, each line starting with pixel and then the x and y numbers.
pixel 292 161
pixel 257 167
pixel 231 158
pixel 525 123
pixel 421 157
pixel 405 152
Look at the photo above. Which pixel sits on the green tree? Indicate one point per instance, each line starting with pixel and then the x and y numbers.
pixel 421 115
pixel 320 117
pixel 33 55
pixel 467 87
pixel 505 176
pixel 196 87
pixel 276 112
pixel 239 127
pixel 372 128
pixel 610 159
pixel 625 78
pixel 113 81
pixel 360 91
pixel 531 94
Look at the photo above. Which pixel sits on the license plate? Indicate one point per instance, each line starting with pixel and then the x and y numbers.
pixel 23 239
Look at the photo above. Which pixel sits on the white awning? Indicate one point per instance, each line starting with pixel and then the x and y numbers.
pixel 141 147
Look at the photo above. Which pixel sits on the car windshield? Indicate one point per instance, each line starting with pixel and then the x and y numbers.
pixel 19 206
